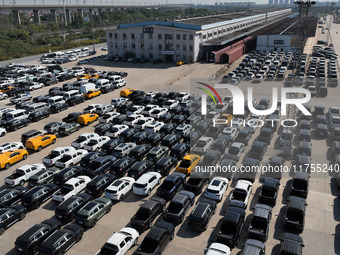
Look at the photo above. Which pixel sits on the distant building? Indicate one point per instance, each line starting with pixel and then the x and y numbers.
pixel 271 2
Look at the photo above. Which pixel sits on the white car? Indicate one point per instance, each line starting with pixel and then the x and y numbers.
pixel 71 188
pixel 240 195
pixel 116 130
pixel 132 119
pixel 3 96
pixel 150 95
pixel 216 188
pixel 83 140
pixel 120 242
pixel 71 158
pixel 108 117
pixel 11 146
pixel 146 183
pixel 96 143
pixel 56 154
pixel 203 145
pixel 158 112
pixel 182 96
pixel 34 85
pixel 218 249
pixel 91 108
pixel 142 123
pixel 211 116
pixel 136 109
pixel 147 110
pixel 170 104
pixel 258 78
pixel 22 174
pixel 235 151
pixel 183 129
pixel 102 109
pixel 230 132
pixel 119 188
pixel 118 101
pixel 3 131
pixel 154 127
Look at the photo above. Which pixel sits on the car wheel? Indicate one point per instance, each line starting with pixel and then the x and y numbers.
pixel 15 128
pixel 39 148
pixel 37 205
pixel 22 183
pixel 7 166
pixel 3 133
pixel 22 216
pixel 122 197
pixel 70 165
pixel 53 141
pixel 79 237
pixel 135 242
pixel 108 210
pixel 68 133
pixel 93 223
pixel 159 181
pixel 149 192
pixel 150 225
pixel 2 230
pixel 61 253
pixel 172 235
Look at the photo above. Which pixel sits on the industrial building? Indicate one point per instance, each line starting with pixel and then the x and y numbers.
pixel 189 40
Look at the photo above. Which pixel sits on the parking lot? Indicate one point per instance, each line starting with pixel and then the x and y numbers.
pixel 322 213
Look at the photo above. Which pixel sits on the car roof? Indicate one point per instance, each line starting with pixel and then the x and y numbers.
pixel 301 176
pixel 262 211
pixel 297 202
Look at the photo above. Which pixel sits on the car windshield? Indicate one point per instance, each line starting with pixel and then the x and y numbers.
pixel 167 185
pixel 106 116
pixel 234 150
pixel 300 184
pixel 242 135
pixel 295 215
pixel 174 208
pixel 142 214
pixel 66 189
pixel 259 222
pixel 228 229
pixel 130 118
pixel 156 111
pixel 66 158
pixel 109 249
pixel 148 245
pixel 81 139
pixel 239 194
pixel 268 191
pixel 19 172
pixel 94 165
pixel 185 163
pixel 139 185
pixel 201 143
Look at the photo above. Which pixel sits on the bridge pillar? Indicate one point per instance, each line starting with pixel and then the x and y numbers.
pixel 68 16
pixel 36 16
pixel 53 16
pixel 16 15
pixel 81 13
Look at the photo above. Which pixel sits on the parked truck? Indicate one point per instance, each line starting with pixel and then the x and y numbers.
pixel 22 174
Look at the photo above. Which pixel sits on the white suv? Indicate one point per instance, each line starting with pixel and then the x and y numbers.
pixel 71 188
pixel 71 158
pixel 116 130
pixel 216 188
pixel 119 188
pixel 83 140
pixel 146 183
pixel 96 143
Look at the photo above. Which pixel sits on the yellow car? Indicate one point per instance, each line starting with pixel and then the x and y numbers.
pixel 39 142
pixel 179 63
pixel 92 93
pixel 227 117
pixel 85 76
pixel 11 157
pixel 188 163
pixel 126 92
pixel 95 75
pixel 87 118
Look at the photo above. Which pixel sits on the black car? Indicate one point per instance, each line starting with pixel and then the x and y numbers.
pixel 147 212
pixel 10 215
pixel 229 231
pixel 157 239
pixel 110 145
pixel 259 222
pixel 72 117
pixel 300 184
pixel 179 119
pixel 180 150
pixel 127 134
pixel 140 151
pixel 166 118
pixel 154 139
pixel 58 107
pixel 61 240
pixel 266 135
pixel 88 158
pixel 136 94
pixel 101 129
pixel 179 206
pixel 294 217
pixel 98 184
pixel 167 129
pixel 15 124
pixel 165 165
pixel 192 137
pixel 269 191
pixel 122 109
pixel 10 196
pixel 291 244
pixel 121 166
pixel 38 115
pixel 75 100
pixel 195 184
pixel 171 185
pixel 29 241
pixel 67 173
pixel 33 198
pixel 221 145
pixel 99 165
pixel 170 140
pixel 139 138
pixel 321 131
pixel 258 149
pixel 139 168
pixel 67 210
pixel 200 216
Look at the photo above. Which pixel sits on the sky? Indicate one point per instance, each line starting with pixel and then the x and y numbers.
pixel 128 2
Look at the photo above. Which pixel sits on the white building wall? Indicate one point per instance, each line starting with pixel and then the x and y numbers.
pixel 274 43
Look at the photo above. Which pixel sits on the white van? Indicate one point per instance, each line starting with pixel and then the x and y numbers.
pixel 117 81
pixel 70 94
pixel 103 83
pixel 42 107
pixel 55 99
pixel 17 115
pixel 86 87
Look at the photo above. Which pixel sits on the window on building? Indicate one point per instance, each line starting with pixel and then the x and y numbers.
pixel 209 34
pixel 133 36
pixel 150 36
pixel 184 37
pixel 191 37
pixel 116 36
pixel 204 36
pixel 111 44
pixel 124 36
pixel 169 46
pixel 184 47
pixel 110 35
pixel 150 46
pixel 160 47
pixel 142 46
pixel 159 36
pixel 169 36
pixel 116 46
pixel 219 32
pixel 184 57
pixel 215 32
pixel 133 46
pixel 191 47
pixel 141 36
pixel 150 56
pixel 178 47
pixel 178 37
pixel 223 30
pixel 124 46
